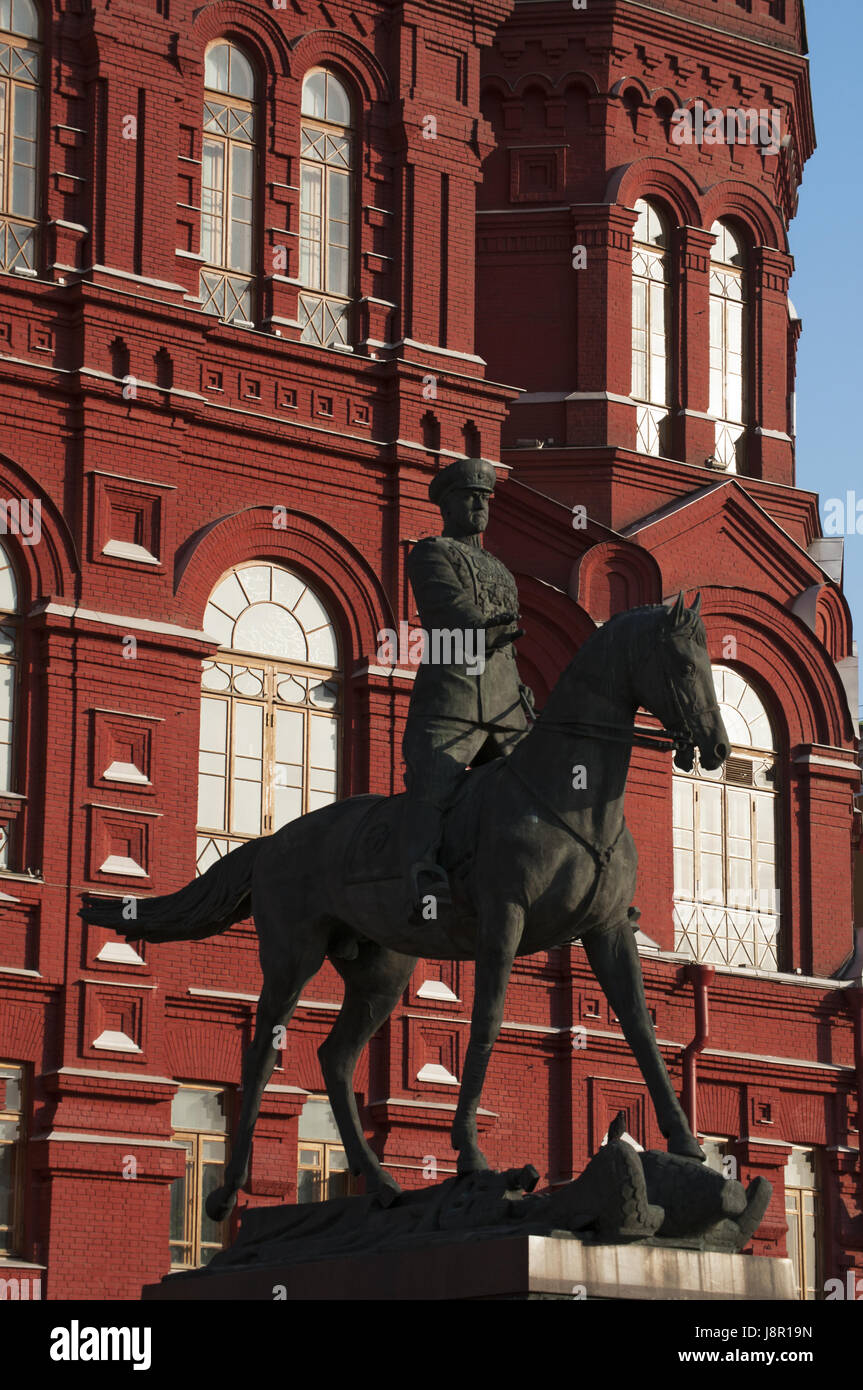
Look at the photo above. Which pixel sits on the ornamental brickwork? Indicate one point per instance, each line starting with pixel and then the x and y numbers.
pixel 169 445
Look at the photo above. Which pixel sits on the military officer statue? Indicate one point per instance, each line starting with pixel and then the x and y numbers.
pixel 464 711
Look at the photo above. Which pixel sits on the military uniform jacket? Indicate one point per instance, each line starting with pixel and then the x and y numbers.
pixel 458 588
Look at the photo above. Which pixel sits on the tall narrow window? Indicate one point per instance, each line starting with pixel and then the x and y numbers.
pixel 726 896
pixel 322 1164
pixel 20 75
pixel 326 210
pixel 11 1157
pixel 199 1122
pixel 802 1210
pixel 728 334
pixel 270 710
pixel 8 685
pixel 228 159
pixel 651 318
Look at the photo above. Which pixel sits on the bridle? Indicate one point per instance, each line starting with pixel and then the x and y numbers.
pixel 681 738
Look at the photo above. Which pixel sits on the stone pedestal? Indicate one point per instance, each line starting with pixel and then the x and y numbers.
pixel 510 1267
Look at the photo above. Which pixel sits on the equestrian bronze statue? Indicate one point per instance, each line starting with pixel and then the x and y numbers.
pixel 538 855
pixel 468 704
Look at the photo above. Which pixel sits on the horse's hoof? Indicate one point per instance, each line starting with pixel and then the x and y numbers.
pixel 386 1191
pixel 687 1146
pixel 220 1204
pixel 471 1161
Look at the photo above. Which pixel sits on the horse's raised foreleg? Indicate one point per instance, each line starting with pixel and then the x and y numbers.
pixel 497 944
pixel 374 983
pixel 613 957
pixel 279 996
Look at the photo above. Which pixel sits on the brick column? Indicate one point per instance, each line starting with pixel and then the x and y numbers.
pixel 694 435
pixel 771 451
pixel 600 410
pixel 766 1160
pixel 824 783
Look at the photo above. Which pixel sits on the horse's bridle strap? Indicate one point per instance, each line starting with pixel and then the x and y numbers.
pixel 664 739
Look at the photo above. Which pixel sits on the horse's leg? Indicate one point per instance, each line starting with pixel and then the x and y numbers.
pixel 613 958
pixel 374 983
pixel 497 944
pixel 283 984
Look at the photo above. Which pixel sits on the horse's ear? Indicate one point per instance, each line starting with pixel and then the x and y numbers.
pixel 695 610
pixel 675 617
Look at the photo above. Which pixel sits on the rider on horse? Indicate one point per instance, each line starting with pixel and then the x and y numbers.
pixel 462 712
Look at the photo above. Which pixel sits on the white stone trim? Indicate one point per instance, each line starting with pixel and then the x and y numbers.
pixel 117 984
pixel 126 477
pixel 112 1075
pixel 777 1061
pixel 133 1141
pixel 437 1074
pixel 123 865
pixel 125 772
pixel 368 669
pixel 112 1040
pixel 120 953
pixel 119 620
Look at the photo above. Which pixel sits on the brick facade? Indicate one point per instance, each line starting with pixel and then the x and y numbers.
pixel 549 124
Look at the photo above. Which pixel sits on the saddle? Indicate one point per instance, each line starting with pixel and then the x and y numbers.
pixel 374 852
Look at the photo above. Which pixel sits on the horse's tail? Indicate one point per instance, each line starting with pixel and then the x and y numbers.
pixel 205 907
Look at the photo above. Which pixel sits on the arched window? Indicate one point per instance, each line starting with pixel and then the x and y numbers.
pixel 326 210
pixel 228 156
pixel 651 318
pixel 728 334
pixel 270 708
pixel 20 75
pixel 8 688
pixel 726 895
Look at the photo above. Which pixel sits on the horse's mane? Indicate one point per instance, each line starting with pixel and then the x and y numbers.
pixel 592 656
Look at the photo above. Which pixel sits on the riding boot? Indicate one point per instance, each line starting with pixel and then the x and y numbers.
pixel 425 879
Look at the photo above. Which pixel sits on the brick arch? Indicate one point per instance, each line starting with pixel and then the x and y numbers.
pixel 785 662
pixel 833 626
pixel 495 87
pixel 339 573
pixel 251 28
pixel 734 199
pixel 214 1053
pixel 555 627
pixel 325 47
pixel 49 569
pixel 577 77
pixel 613 576
pixel 824 610
pixel 626 84
pixel 662 178
pixel 659 94
pixel 540 80
pixel 24 1034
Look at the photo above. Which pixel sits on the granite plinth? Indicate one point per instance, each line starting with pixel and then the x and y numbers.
pixel 512 1267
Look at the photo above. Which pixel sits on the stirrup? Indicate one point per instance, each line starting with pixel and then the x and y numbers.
pixel 438 887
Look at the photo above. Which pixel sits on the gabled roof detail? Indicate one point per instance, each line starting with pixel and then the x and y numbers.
pixel 741 543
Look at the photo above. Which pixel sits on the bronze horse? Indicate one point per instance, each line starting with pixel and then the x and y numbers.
pixel 539 855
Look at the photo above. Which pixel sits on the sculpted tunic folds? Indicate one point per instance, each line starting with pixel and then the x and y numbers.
pixel 460 715
pixel 458 587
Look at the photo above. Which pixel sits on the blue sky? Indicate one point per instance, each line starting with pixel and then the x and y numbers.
pixel 827 244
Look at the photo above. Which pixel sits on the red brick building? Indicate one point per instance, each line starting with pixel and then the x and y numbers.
pixel 263 268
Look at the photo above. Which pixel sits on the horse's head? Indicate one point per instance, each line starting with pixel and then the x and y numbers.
pixel 677 686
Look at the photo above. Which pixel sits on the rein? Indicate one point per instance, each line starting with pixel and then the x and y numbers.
pixel 663 739
pixel 601 857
